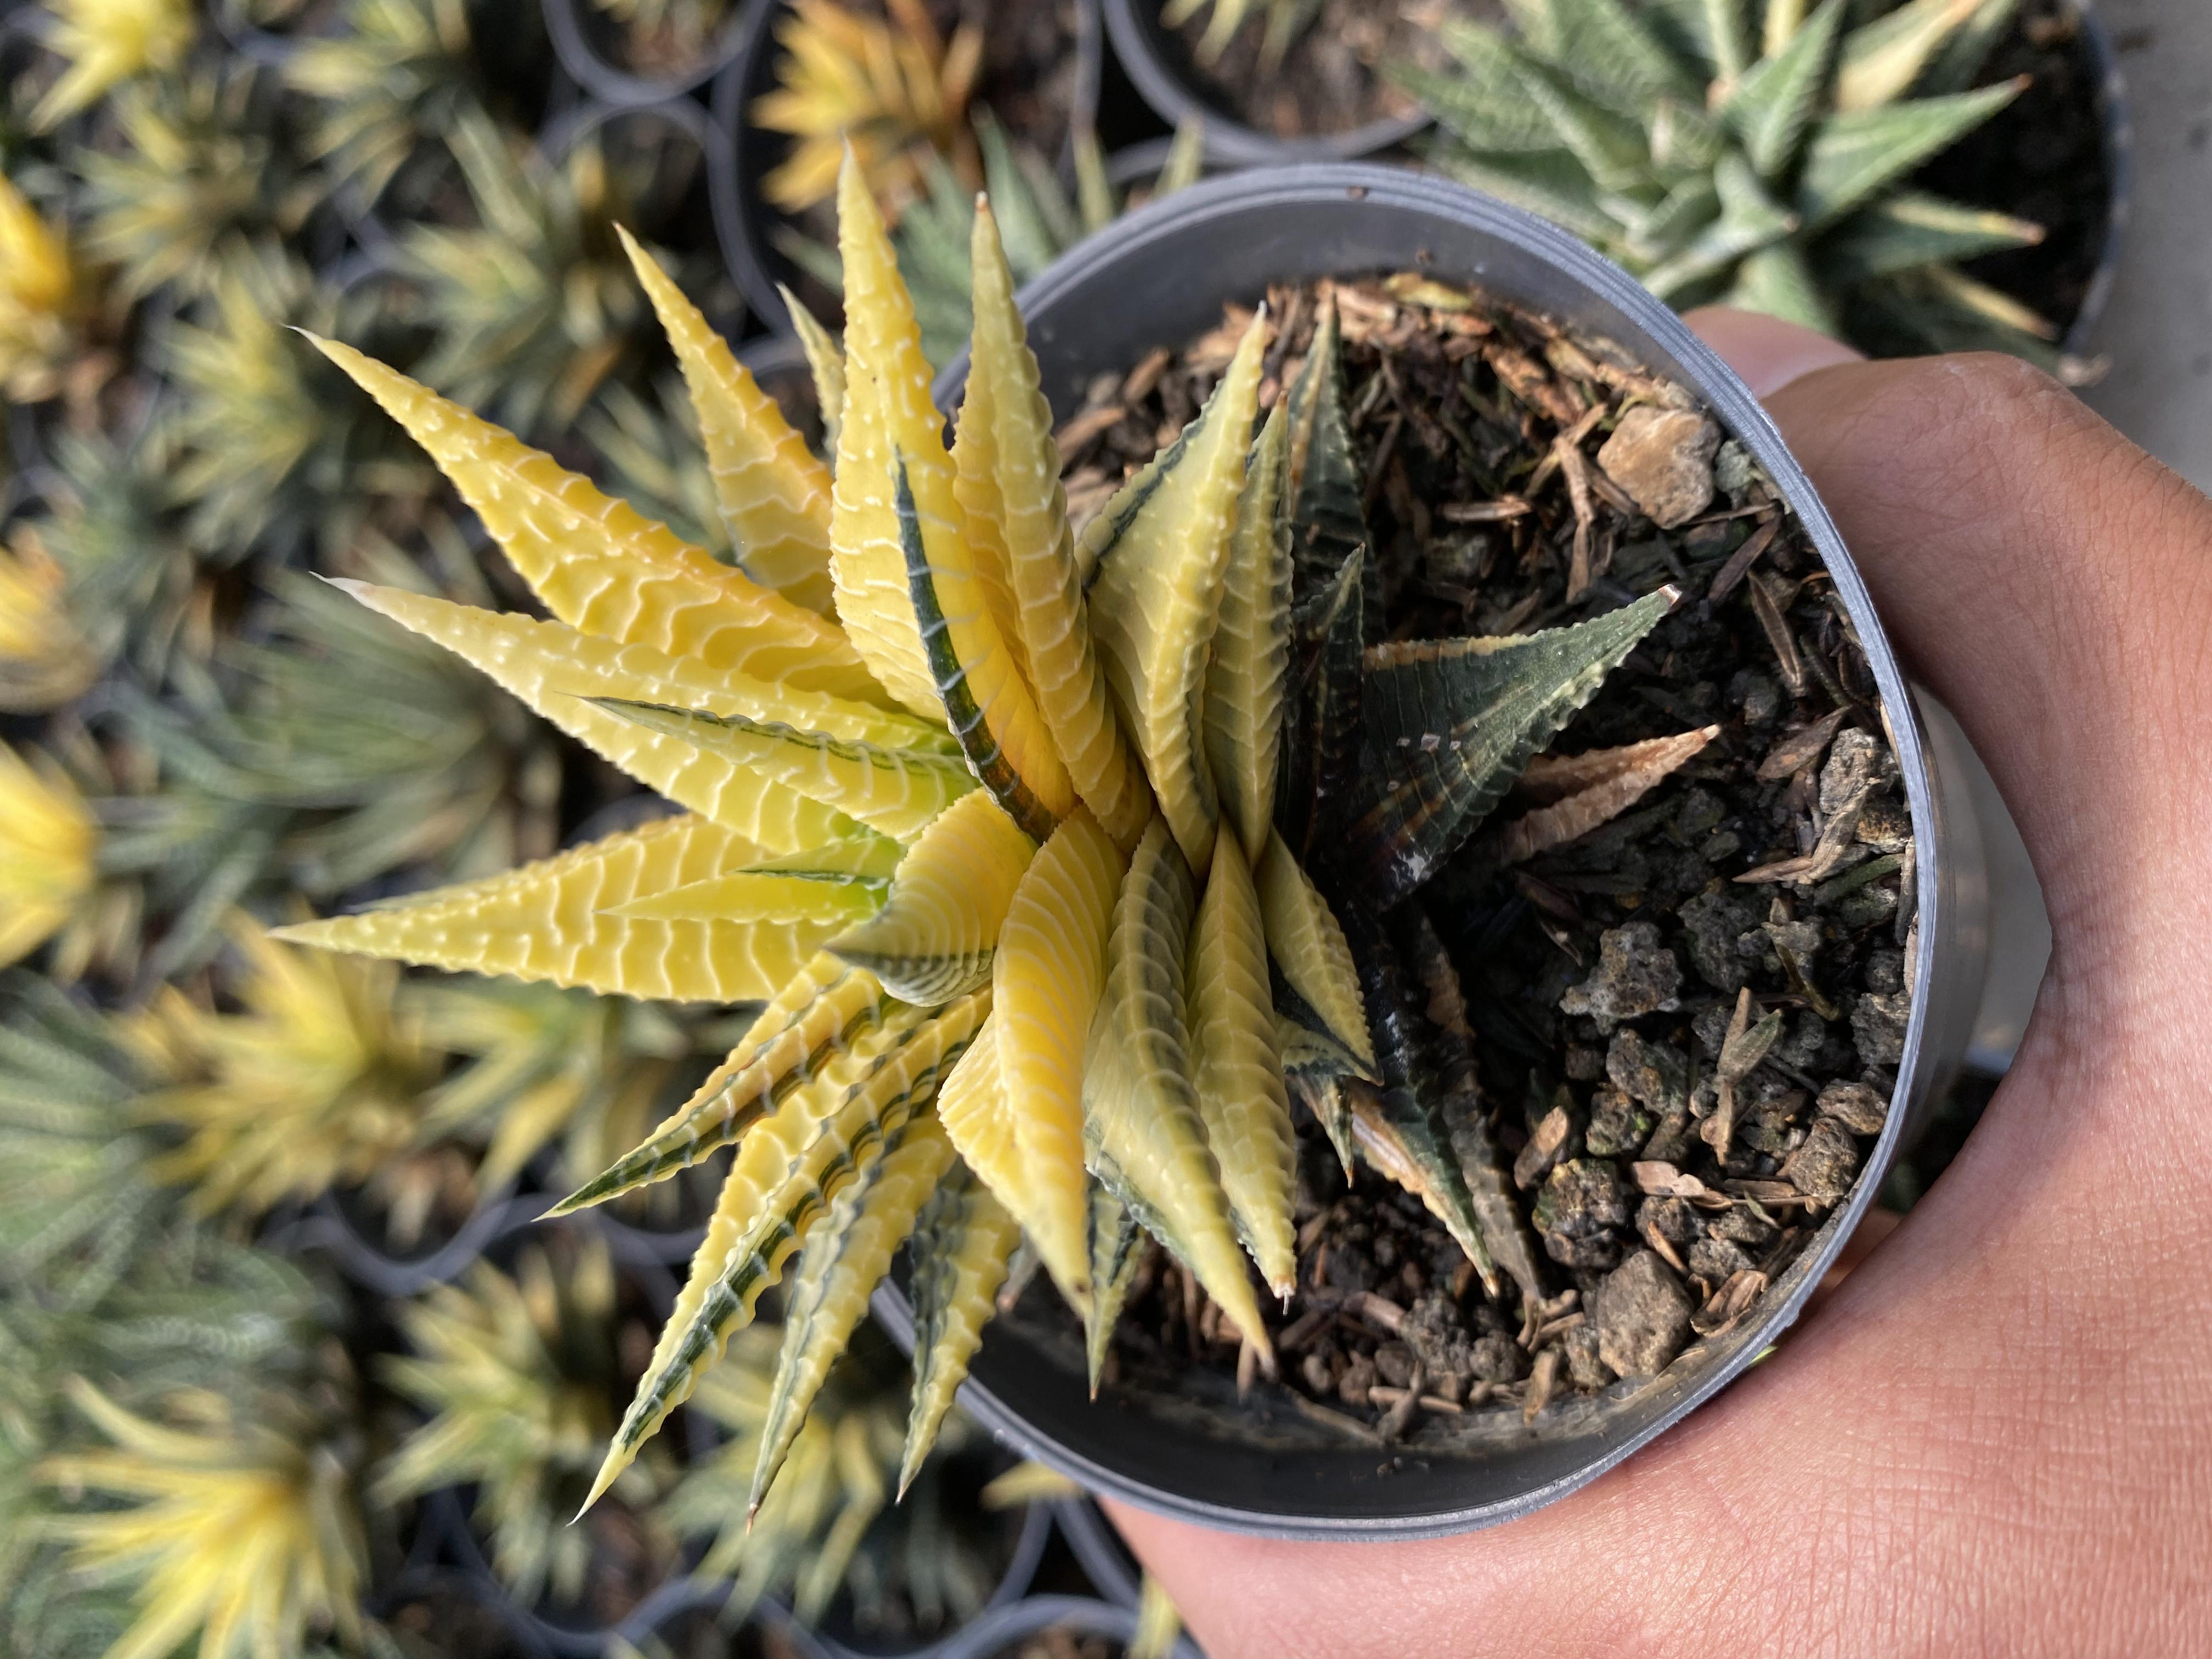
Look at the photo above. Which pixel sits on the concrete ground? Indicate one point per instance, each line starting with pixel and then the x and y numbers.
pixel 2157 329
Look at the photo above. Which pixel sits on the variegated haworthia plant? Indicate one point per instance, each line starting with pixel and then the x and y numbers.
pixel 1757 153
pixel 987 814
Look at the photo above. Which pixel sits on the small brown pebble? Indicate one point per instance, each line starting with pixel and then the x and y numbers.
pixel 1823 1167
pixel 1859 1109
pixel 1714 1260
pixel 1497 1359
pixel 1546 1147
pixel 1578 1211
pixel 1642 1315
pixel 1663 457
pixel 1636 975
pixel 1586 1367
pixel 1313 1369
pixel 1393 1363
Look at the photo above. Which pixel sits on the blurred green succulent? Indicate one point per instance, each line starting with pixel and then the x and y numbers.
pixel 533 307
pixel 827 1524
pixel 395 75
pixel 1748 153
pixel 198 167
pixel 666 37
pixel 546 1064
pixel 237 1526
pixel 521 1376
pixel 329 750
pixel 1286 20
pixel 107 42
pixel 649 442
pixel 271 446
pixel 99 570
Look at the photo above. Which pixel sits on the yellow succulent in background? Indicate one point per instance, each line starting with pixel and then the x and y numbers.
pixel 45 660
pixel 38 301
pixel 242 1533
pixel 982 811
pixel 48 867
pixel 107 42
pixel 318 1080
pixel 518 1375
pixel 892 88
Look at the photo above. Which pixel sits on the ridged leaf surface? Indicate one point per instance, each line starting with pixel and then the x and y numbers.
pixel 1006 419
pixel 933 938
pixel 1158 552
pixel 1248 676
pixel 1307 944
pixel 1142 1127
pixel 774 493
pixel 1047 977
pixel 1237 1073
pixel 963 1240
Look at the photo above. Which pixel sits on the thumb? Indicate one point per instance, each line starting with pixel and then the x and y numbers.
pixel 2044 578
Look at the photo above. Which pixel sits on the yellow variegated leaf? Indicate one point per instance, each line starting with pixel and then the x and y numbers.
pixel 962 1241
pixel 977 466
pixel 1237 1071
pixel 824 1011
pixel 1306 942
pixel 1141 1124
pixel 603 568
pixel 1050 969
pixel 975 1112
pixel 985 701
pixel 866 856
pixel 825 362
pixel 754 895
pixel 1160 551
pixel 1250 663
pixel 1008 483
pixel 556 670
pixel 894 791
pixel 787 1173
pixel 546 921
pixel 1117 1250
pixel 887 410
pixel 774 493
pixel 845 1259
pixel 933 938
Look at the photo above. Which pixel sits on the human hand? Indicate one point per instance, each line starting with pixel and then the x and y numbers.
pixel 1997 1436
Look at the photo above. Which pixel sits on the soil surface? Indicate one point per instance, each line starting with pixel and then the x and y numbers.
pixel 678 40
pixel 2044 158
pixel 1330 80
pixel 1665 1046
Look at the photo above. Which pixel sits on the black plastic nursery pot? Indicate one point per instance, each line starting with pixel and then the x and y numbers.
pixel 744 155
pixel 1161 277
pixel 585 40
pixel 1159 70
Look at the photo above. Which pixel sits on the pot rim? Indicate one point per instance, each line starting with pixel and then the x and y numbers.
pixel 607 81
pixel 1229 142
pixel 1948 894
pixel 2117 119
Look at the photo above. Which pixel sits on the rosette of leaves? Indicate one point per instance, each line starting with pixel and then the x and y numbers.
pixel 235 1525
pixel 997 845
pixel 826 1528
pixel 199 165
pixel 1757 154
pixel 531 307
pixel 547 1067
pixel 95 571
pixel 519 1377
pixel 889 87
pixel 269 451
pixel 317 1080
pixel 395 75
pixel 107 42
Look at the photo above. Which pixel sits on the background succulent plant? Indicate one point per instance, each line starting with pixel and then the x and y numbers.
pixel 1757 154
